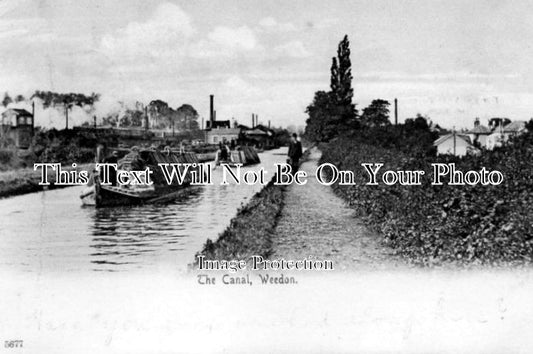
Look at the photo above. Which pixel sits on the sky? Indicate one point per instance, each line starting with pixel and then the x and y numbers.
pixel 450 60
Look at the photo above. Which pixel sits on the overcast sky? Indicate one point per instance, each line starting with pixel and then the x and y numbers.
pixel 451 60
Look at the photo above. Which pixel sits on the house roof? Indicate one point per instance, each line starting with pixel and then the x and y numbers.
pixel 18 112
pixel 224 131
pixel 256 132
pixel 265 129
pixel 514 127
pixel 448 136
pixel 480 129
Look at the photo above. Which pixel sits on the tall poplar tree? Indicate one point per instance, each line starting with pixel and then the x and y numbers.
pixel 333 112
pixel 341 85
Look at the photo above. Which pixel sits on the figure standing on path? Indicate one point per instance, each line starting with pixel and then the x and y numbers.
pixel 295 152
pixel 223 154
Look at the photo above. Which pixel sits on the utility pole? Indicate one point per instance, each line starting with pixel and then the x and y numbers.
pixel 145 117
pixel 66 116
pixel 32 118
pixel 395 111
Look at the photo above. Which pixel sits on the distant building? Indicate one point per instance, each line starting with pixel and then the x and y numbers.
pixel 479 133
pixel 455 144
pixel 501 135
pixel 215 136
pixel 216 124
pixel 515 128
pixel 17 127
pixel 498 122
pixel 260 136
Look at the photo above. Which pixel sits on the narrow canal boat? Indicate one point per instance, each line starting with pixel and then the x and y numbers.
pixel 100 194
pixel 243 155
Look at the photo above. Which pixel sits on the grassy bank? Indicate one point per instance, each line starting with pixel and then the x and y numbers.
pixel 26 180
pixel 250 231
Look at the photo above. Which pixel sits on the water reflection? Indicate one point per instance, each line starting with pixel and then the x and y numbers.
pixel 50 231
pixel 125 235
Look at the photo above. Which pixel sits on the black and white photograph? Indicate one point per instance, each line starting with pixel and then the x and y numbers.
pixel 247 176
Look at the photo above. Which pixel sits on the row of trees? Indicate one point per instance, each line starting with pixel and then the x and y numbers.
pixel 7 100
pixel 54 99
pixel 69 100
pixel 161 115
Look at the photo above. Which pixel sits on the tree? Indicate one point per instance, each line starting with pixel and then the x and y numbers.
pixel 19 98
pixel 529 125
pixel 417 137
pixel 341 85
pixel 66 100
pixel 125 121
pixel 136 117
pixel 376 114
pixel 187 117
pixel 7 100
pixel 160 114
pixel 333 112
pixel 334 80
pixel 71 99
pixel 418 123
pixel 323 121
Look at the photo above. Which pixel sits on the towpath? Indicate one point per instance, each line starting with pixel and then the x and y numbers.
pixel 315 222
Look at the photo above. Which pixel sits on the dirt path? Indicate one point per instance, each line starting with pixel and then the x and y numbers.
pixel 315 222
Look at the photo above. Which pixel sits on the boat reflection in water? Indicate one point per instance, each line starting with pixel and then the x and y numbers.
pixel 126 236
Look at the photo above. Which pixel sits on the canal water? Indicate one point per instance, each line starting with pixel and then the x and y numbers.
pixel 51 232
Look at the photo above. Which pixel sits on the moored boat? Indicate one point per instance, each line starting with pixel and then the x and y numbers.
pixel 100 194
pixel 243 155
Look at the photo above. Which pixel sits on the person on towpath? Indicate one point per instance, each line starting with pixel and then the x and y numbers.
pixel 295 152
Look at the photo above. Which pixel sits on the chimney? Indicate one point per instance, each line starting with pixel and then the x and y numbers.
pixel 211 110
pixel 32 117
pixel 269 124
pixel 253 120
pixel 476 122
pixel 395 111
pixel 146 118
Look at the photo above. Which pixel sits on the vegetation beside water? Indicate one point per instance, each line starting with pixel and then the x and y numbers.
pixel 27 180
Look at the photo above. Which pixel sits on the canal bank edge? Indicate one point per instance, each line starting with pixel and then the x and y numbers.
pixel 251 231
pixel 24 181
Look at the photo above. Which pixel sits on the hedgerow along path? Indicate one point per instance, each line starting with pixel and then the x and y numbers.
pixel 315 222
